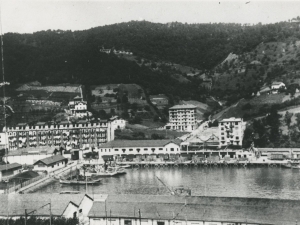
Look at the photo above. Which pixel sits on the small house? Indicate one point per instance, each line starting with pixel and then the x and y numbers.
pixel 276 86
pixel 50 164
pixel 9 170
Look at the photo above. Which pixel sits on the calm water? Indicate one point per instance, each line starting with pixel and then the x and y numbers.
pixel 230 182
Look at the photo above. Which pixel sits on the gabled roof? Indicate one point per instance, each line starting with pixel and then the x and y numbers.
pixel 15 204
pixel 32 150
pixel 138 143
pixel 183 107
pixel 10 166
pixel 232 119
pixel 52 159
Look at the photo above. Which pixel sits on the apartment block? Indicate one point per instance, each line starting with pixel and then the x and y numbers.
pixel 182 117
pixel 231 131
pixel 80 135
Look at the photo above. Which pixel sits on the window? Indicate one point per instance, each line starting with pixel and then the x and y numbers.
pixel 160 223
pixel 160 149
pixel 116 150
pixel 130 149
pixel 127 222
pixel 236 123
pixel 145 149
pixel 172 149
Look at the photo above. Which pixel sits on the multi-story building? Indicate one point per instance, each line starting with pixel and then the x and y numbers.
pixel 231 131
pixel 182 117
pixel 80 135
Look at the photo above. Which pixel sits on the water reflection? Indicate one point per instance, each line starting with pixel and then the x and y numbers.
pixel 229 182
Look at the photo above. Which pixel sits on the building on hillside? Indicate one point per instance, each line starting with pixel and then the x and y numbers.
pixel 78 107
pixel 80 135
pixel 276 86
pixel 50 164
pixel 9 170
pixel 231 132
pixel 118 123
pixel 132 148
pixel 182 117
pixel 160 100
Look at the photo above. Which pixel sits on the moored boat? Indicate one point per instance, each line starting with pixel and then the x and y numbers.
pixel 75 181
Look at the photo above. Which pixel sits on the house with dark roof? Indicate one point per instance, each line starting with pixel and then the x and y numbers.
pixel 50 164
pixel 275 86
pixel 140 148
pixel 9 170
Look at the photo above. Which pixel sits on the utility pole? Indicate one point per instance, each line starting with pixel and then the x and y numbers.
pixel 50 212
pixel 140 217
pixel 25 217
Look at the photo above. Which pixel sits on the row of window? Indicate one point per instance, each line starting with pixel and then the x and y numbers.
pixel 138 149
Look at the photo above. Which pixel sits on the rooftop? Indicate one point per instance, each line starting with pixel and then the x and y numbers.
pixel 138 143
pixel 50 160
pixel 249 210
pixel 232 119
pixel 15 204
pixel 183 107
pixel 277 83
pixel 10 166
pixel 33 150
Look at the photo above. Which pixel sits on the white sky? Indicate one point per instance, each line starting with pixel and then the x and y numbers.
pixel 27 16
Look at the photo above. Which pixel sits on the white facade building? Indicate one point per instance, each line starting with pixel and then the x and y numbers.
pixel 182 117
pixel 231 132
pixel 50 164
pixel 118 123
pixel 78 107
pixel 276 86
pixel 140 147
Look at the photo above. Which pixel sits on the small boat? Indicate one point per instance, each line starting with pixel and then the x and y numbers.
pixel 75 181
pixel 117 169
pixel 98 171
pixel 292 165
pixel 124 166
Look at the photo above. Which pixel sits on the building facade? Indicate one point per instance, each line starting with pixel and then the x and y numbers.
pixel 9 170
pixel 80 135
pixel 78 107
pixel 140 148
pixel 182 117
pixel 50 164
pixel 231 132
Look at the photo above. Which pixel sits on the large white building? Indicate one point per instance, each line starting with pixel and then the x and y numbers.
pixel 80 135
pixel 140 148
pixel 182 117
pixel 231 132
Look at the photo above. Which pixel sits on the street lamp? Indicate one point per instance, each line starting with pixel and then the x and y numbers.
pixel 26 213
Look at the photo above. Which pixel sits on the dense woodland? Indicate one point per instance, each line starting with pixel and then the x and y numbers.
pixel 74 57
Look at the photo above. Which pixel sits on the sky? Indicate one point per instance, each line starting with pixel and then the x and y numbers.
pixel 27 16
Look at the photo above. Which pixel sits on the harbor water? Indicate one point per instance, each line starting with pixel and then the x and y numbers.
pixel 255 182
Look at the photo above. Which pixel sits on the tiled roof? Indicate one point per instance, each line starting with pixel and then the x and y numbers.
pixel 15 204
pixel 249 210
pixel 138 143
pixel 183 107
pixel 52 159
pixel 10 166
pixel 284 150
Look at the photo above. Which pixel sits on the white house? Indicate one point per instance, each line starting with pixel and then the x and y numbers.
pixel 78 107
pixel 50 164
pixel 140 147
pixel 118 123
pixel 9 170
pixel 276 86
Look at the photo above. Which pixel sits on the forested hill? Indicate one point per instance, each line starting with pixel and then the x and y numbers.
pixel 65 56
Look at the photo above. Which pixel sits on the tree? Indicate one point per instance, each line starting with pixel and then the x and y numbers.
pixel 288 118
